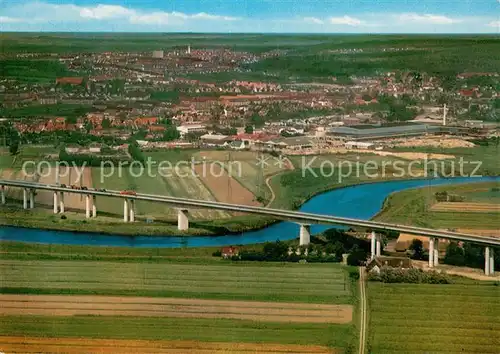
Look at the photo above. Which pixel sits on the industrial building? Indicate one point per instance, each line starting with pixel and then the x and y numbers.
pixel 371 132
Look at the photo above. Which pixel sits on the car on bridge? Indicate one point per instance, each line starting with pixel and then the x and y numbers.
pixel 128 193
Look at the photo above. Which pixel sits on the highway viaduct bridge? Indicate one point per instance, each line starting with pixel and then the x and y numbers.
pixel 301 218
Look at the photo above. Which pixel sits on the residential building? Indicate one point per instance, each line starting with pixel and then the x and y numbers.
pixel 376 264
pixel 228 252
pixel 191 128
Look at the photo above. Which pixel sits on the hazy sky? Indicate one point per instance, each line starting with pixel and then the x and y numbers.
pixel 315 16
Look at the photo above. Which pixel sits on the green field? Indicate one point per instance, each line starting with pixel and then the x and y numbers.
pixel 204 278
pixel 26 153
pixel 34 71
pixel 264 282
pixel 59 110
pixel 412 207
pixel 161 328
pixel 418 318
pixel 486 156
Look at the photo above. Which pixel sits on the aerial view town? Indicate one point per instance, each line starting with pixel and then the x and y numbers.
pixel 249 176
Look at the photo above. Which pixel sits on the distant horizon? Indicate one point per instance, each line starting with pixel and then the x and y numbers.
pixel 413 34
pixel 252 16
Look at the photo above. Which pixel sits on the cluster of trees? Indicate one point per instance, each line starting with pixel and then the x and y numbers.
pixel 398 109
pixel 171 132
pixel 493 141
pixel 327 247
pixel 135 152
pixel 67 137
pixel 446 197
pixel 282 252
pixel 468 254
pixel 412 275
pixel 10 138
pixel 35 111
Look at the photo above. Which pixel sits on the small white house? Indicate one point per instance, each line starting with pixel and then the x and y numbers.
pixel 362 145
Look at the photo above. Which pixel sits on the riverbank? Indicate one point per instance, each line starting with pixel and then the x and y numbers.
pixel 73 221
pixel 36 251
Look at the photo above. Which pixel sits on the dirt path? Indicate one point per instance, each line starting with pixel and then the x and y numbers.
pixel 56 305
pixel 273 196
pixel 89 345
pixel 290 166
pixel 362 328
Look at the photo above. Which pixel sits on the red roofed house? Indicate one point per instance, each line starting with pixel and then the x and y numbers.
pixel 468 93
pixel 146 121
pixel 69 80
pixel 156 128
pixel 228 252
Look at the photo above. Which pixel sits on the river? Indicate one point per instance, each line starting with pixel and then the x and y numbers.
pixel 360 201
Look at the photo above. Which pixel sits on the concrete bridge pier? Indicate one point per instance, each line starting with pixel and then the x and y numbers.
pixel 94 207
pixel 125 210
pixel 378 245
pixel 489 261
pixel 492 262
pixel 25 198
pixel 32 198
pixel 433 252
pixel 2 194
pixel 131 209
pixel 182 219
pixel 304 235
pixel 56 203
pixel 373 241
pixel 436 251
pixel 61 203
pixel 87 206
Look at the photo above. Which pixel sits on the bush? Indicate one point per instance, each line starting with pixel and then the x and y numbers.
pixel 217 253
pixel 354 274
pixel 413 276
pixel 357 257
pixel 63 217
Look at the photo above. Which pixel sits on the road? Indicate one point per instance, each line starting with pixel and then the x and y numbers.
pixel 294 216
pixel 362 327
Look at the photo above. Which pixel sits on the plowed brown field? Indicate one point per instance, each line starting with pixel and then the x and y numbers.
pixel 55 305
pixel 224 188
pixel 467 207
pixel 79 345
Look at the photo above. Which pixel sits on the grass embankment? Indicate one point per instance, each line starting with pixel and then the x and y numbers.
pixel 38 251
pixel 270 282
pixel 413 207
pixel 416 318
pixel 112 224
